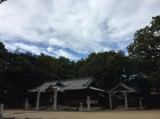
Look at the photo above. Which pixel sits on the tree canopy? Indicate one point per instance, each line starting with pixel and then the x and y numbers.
pixel 146 47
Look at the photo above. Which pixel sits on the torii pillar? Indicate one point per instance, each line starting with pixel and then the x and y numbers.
pixel 110 100
pixel 1 110
pixel 55 100
pixel 88 103
pixel 126 101
pixel 38 99
pixel 26 104
pixel 140 104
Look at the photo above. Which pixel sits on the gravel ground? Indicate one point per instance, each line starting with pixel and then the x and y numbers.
pixel 105 114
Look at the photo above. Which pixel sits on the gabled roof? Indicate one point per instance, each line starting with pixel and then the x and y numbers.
pixel 75 84
pixel 44 86
pixel 121 87
pixel 69 84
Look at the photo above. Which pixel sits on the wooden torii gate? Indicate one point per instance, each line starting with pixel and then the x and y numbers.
pixel 50 88
pixel 122 88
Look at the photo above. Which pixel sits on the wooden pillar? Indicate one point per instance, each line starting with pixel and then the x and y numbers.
pixel 38 99
pixel 126 101
pixel 26 104
pixel 140 103
pixel 1 110
pixel 55 99
pixel 110 100
pixel 88 103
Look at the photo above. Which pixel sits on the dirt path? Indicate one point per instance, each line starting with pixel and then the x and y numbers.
pixel 115 114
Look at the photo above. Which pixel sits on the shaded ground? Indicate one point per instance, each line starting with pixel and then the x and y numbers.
pixel 113 114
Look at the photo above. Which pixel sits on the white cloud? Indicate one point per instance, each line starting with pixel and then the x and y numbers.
pixel 80 25
pixel 50 49
pixel 36 50
pixel 56 42
pixel 24 47
pixel 65 54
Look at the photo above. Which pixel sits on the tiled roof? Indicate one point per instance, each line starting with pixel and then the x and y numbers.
pixel 43 87
pixel 71 84
pixel 121 87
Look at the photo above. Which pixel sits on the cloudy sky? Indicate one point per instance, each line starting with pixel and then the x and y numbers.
pixel 73 28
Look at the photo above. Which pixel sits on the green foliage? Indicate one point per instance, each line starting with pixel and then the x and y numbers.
pixel 146 43
pixel 108 68
pixel 146 48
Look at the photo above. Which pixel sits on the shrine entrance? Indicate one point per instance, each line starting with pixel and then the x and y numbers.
pixel 118 96
pixel 119 100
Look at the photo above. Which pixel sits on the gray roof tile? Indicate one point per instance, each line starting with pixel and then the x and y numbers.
pixel 71 84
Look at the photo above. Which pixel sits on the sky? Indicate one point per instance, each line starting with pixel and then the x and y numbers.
pixel 73 28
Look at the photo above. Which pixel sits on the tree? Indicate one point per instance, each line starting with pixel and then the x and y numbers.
pixel 146 48
pixel 108 68
pixel 3 66
pixel 146 43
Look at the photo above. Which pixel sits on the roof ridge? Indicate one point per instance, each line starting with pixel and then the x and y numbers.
pixel 76 83
pixel 90 81
pixel 68 79
pixel 123 85
pixel 76 79
pixel 50 81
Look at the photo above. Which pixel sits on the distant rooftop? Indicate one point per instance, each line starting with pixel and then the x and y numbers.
pixel 68 84
pixel 121 87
